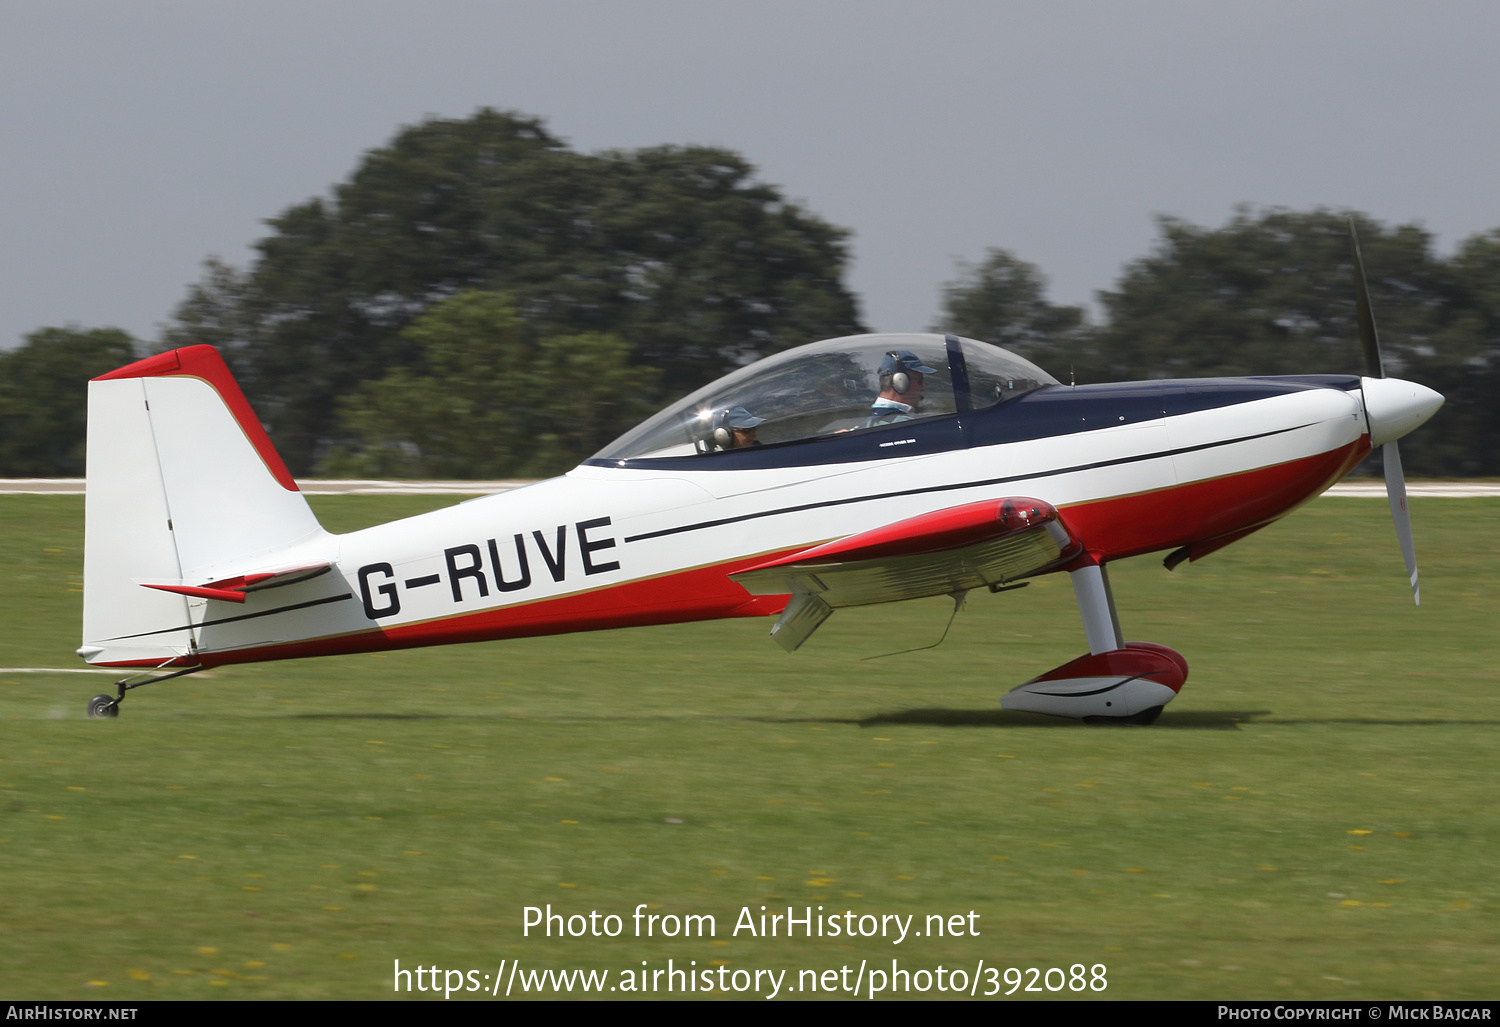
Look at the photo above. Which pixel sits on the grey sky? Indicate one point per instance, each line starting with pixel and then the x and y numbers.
pixel 138 138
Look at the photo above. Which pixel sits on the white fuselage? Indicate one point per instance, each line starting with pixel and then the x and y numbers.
pixel 617 546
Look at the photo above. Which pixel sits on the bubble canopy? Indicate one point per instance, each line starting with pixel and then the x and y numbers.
pixel 830 389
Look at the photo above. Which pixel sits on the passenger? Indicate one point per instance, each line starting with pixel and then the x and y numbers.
pixel 901 388
pixel 735 428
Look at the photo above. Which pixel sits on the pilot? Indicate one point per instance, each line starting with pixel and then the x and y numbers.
pixel 901 388
pixel 735 428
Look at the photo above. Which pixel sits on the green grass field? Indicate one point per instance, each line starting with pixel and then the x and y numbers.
pixel 1315 817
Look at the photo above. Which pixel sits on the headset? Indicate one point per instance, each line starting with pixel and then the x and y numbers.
pixel 898 381
pixel 723 432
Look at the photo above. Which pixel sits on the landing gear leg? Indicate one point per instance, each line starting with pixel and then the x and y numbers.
pixel 105 706
pixel 1101 624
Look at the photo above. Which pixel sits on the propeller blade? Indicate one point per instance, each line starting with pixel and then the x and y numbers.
pixel 1395 491
pixel 1364 313
pixel 1390 456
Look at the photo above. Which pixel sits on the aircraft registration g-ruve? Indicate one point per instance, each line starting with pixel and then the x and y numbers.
pixel 854 471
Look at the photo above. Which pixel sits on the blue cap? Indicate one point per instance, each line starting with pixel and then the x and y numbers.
pixel 903 360
pixel 738 417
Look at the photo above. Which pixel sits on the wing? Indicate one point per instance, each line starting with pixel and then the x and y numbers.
pixel 942 553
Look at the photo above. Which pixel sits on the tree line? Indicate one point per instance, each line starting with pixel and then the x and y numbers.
pixel 1271 293
pixel 478 300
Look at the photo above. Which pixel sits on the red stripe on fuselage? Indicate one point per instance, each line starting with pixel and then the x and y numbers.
pixel 703 593
pixel 1121 526
pixel 1111 529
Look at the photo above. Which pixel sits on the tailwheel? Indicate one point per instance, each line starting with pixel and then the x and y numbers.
pixel 103 706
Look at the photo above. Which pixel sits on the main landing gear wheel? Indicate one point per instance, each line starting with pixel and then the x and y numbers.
pixel 102 706
pixel 1143 717
pixel 1129 685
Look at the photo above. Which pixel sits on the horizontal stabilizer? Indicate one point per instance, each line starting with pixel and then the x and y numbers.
pixel 235 589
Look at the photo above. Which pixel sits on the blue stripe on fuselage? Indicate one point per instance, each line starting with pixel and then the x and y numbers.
pixel 1047 412
pixel 1067 410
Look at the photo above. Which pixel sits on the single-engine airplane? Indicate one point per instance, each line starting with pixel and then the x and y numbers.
pixel 859 470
